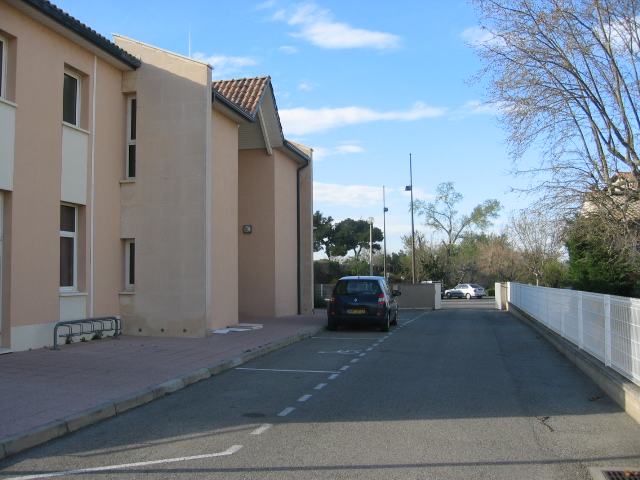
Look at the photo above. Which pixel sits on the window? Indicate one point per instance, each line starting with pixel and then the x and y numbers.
pixel 71 99
pixel 131 136
pixel 3 66
pixel 68 248
pixel 130 264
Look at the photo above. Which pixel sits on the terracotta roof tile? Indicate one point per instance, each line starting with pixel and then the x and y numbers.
pixel 245 92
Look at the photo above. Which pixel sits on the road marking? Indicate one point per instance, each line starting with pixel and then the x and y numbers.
pixel 320 386
pixel 362 355
pixel 376 344
pixel 286 411
pixel 369 349
pixel 229 451
pixel 334 376
pixel 262 429
pixel 339 338
pixel 355 360
pixel 346 367
pixel 345 352
pixel 304 398
pixel 277 370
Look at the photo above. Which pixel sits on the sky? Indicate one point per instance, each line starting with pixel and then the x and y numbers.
pixel 367 85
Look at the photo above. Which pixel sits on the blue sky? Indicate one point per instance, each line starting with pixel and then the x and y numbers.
pixel 365 84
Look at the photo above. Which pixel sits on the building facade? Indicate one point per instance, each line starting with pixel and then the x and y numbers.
pixel 127 181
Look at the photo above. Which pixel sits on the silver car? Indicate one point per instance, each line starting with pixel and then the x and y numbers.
pixel 453 293
pixel 471 290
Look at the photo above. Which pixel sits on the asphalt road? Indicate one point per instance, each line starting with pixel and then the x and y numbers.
pixel 465 392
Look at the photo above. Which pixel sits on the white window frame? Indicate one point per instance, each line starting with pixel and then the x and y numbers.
pixel 78 96
pixel 128 263
pixel 3 66
pixel 74 236
pixel 131 142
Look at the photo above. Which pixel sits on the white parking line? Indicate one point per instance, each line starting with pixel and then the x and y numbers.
pixel 355 360
pixel 362 355
pixel 346 367
pixel 334 376
pixel 320 386
pixel 229 451
pixel 262 429
pixel 277 370
pixel 304 398
pixel 286 412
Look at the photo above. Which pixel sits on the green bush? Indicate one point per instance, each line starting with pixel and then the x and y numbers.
pixel 491 292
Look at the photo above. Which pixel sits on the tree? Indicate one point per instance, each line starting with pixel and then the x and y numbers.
pixel 539 240
pixel 353 235
pixel 598 262
pixel 322 233
pixel 442 216
pixel 565 75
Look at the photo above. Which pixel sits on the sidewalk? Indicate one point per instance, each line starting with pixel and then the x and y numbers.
pixel 47 393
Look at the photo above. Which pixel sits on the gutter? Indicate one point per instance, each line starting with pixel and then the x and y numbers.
pixel 67 21
pixel 299 249
pixel 218 97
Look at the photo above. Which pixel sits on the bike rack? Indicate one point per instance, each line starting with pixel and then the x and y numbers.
pixel 87 326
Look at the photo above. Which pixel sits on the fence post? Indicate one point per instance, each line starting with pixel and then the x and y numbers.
pixel 580 326
pixel 607 330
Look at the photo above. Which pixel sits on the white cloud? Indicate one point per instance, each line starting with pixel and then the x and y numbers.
pixel 476 36
pixel 346 195
pixel 224 66
pixel 320 153
pixel 300 121
pixel 476 107
pixel 306 86
pixel 288 49
pixel 317 27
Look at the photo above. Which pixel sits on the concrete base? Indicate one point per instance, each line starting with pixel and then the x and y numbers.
pixel 620 389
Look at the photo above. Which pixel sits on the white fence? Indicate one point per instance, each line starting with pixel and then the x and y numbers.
pixel 606 326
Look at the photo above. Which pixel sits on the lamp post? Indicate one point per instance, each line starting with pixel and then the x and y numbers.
pixel 384 233
pixel 370 222
pixel 409 188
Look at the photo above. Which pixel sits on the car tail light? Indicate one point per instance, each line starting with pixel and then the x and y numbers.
pixel 381 299
pixel 333 298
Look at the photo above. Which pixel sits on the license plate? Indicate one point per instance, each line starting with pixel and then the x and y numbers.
pixel 356 311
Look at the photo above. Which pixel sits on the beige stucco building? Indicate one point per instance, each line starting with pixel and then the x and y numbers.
pixel 132 185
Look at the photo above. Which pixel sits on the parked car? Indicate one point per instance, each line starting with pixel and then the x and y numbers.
pixel 362 300
pixel 453 293
pixel 471 290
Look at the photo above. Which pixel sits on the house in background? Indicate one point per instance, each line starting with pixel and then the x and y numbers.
pixel 132 185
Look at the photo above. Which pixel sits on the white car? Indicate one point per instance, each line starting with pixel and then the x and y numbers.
pixel 471 290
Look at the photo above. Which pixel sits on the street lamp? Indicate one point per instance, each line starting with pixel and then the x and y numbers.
pixel 384 234
pixel 370 222
pixel 409 188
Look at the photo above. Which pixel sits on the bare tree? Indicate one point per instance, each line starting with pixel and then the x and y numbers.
pixel 443 217
pixel 538 239
pixel 565 75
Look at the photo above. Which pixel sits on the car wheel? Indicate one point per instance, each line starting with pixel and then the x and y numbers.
pixel 468 296
pixel 448 295
pixel 332 326
pixel 385 326
pixel 395 319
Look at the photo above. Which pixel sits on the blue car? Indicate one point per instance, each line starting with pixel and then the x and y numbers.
pixel 362 300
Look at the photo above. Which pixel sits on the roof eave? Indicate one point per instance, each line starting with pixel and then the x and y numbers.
pixel 77 32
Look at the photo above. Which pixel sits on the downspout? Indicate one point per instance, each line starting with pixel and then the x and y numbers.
pixel 93 186
pixel 298 233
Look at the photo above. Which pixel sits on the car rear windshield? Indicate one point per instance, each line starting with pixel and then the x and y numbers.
pixel 475 286
pixel 358 287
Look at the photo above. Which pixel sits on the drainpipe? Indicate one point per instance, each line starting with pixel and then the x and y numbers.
pixel 298 232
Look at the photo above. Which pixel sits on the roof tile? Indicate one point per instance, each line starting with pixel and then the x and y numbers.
pixel 245 92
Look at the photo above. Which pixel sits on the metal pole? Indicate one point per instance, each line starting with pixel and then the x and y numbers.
pixel 384 233
pixel 413 234
pixel 370 248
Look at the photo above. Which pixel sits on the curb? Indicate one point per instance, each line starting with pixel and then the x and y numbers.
pixel 59 428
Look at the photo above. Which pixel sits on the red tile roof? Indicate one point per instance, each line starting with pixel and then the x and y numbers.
pixel 245 92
